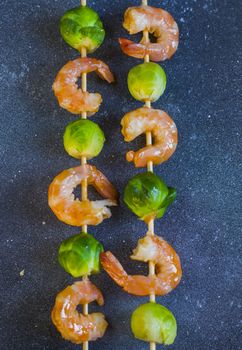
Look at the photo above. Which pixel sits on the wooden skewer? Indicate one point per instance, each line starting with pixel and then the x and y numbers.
pixel 149 168
pixel 83 162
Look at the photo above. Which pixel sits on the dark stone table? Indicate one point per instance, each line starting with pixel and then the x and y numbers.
pixel 204 98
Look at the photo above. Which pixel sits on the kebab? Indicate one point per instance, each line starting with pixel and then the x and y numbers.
pixel 83 30
pixel 146 194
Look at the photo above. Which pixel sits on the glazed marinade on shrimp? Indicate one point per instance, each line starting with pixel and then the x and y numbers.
pixel 163 129
pixel 156 250
pixel 159 23
pixel 66 89
pixel 73 211
pixel 72 325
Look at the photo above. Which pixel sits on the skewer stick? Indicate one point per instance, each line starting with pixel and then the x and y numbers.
pixel 83 162
pixel 149 168
pixel 84 116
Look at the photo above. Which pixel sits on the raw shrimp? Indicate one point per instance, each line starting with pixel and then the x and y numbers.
pixel 66 89
pixel 164 131
pixel 73 211
pixel 70 323
pixel 159 23
pixel 150 248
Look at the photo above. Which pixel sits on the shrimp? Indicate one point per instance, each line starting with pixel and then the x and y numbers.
pixel 73 211
pixel 66 89
pixel 159 23
pixel 156 250
pixel 70 323
pixel 164 131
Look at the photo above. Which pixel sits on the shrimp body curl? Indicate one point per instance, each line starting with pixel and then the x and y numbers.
pixel 163 129
pixel 73 211
pixel 159 23
pixel 156 250
pixel 66 89
pixel 70 323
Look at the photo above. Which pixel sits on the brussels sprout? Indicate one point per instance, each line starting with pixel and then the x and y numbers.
pixel 79 255
pixel 82 27
pixel 147 81
pixel 83 138
pixel 152 322
pixel 147 195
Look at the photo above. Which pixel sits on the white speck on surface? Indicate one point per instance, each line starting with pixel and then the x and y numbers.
pixel 21 273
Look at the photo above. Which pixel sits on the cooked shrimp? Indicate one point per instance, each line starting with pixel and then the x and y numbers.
pixel 159 23
pixel 66 89
pixel 70 323
pixel 73 211
pixel 156 250
pixel 164 131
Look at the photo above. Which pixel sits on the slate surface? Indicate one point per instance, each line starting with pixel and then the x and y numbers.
pixel 204 98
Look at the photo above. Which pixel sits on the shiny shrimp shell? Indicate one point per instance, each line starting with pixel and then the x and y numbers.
pixel 70 323
pixel 159 23
pixel 163 130
pixel 66 89
pixel 156 250
pixel 73 211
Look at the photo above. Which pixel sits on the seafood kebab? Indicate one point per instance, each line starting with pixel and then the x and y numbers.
pixel 79 255
pixel 146 194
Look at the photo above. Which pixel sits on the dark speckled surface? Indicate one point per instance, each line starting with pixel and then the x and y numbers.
pixel 204 98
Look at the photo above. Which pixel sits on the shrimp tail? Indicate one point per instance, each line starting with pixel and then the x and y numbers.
pixel 103 186
pixel 131 48
pixel 104 73
pixel 113 267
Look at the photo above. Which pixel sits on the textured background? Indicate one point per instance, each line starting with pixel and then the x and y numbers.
pixel 203 96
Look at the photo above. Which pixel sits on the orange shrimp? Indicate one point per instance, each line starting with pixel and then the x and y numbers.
pixel 159 23
pixel 164 131
pixel 70 323
pixel 73 211
pixel 66 89
pixel 150 248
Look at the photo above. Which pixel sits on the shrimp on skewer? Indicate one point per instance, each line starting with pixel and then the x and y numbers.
pixel 159 23
pixel 73 211
pixel 66 89
pixel 72 325
pixel 164 131
pixel 156 250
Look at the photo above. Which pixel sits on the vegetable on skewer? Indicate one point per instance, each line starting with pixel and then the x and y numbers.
pixel 81 28
pixel 147 81
pixel 154 323
pixel 83 138
pixel 79 255
pixel 147 196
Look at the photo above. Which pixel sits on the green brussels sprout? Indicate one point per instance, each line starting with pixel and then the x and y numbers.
pixel 147 81
pixel 147 195
pixel 82 27
pixel 152 322
pixel 83 138
pixel 79 255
